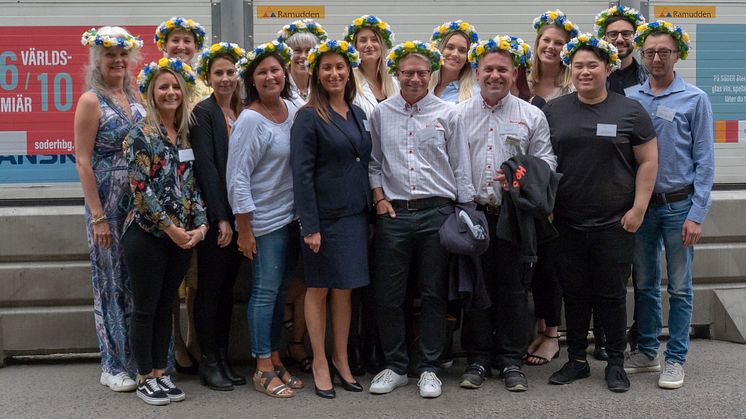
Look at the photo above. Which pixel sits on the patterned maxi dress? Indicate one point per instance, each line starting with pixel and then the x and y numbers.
pixel 112 297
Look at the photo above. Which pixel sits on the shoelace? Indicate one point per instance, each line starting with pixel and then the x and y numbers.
pixel 152 384
pixel 386 376
pixel 167 381
pixel 429 379
pixel 120 378
pixel 670 369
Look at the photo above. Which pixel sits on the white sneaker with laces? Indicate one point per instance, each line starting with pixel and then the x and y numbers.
pixel 429 384
pixel 120 382
pixel 672 376
pixel 386 381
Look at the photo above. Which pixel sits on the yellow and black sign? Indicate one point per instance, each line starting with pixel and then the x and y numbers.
pixel 290 12
pixel 685 12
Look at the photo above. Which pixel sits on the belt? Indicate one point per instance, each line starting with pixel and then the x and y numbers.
pixel 489 209
pixel 419 204
pixel 662 198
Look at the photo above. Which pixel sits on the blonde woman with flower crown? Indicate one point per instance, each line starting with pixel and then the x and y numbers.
pixel 104 115
pixel 455 81
pixel 372 37
pixel 549 78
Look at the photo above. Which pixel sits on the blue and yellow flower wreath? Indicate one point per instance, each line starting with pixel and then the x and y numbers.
pixel 465 28
pixel 414 47
pixel 556 17
pixel 282 49
pixel 303 25
pixel 165 28
pixel 208 54
pixel 518 49
pixel 632 15
pixel 588 39
pixel 179 67
pixel 369 21
pixel 681 37
pixel 92 38
pixel 332 45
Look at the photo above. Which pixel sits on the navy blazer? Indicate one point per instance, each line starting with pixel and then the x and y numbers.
pixel 209 138
pixel 330 169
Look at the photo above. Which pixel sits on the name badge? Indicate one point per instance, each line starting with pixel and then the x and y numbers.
pixel 366 125
pixel 665 113
pixel 606 130
pixel 186 155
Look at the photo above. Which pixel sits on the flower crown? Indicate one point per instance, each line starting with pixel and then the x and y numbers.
pixel 281 48
pixel 303 25
pixel 331 45
pixel 678 34
pixel 588 39
pixel 414 47
pixel 519 50
pixel 632 15
pixel 165 28
pixel 465 28
pixel 372 22
pixel 176 65
pixel 92 38
pixel 208 54
pixel 556 17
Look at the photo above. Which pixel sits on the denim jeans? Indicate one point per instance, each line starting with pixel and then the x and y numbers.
pixel 662 226
pixel 266 308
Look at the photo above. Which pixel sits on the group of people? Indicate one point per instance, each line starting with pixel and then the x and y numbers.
pixel 361 166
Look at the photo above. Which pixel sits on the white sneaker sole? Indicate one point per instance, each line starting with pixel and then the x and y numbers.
pixel 385 390
pixel 633 370
pixel 670 385
pixel 153 401
pixel 178 398
pixel 430 394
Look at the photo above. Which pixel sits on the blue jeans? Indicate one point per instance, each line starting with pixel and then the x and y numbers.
pixel 662 226
pixel 269 282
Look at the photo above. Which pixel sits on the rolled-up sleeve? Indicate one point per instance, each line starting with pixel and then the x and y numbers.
pixel 540 144
pixel 376 156
pixel 244 151
pixel 457 148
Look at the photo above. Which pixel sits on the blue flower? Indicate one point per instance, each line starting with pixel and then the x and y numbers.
pixel 371 19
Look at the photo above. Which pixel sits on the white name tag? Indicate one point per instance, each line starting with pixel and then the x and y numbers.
pixel 606 130
pixel 665 113
pixel 186 155
pixel 366 125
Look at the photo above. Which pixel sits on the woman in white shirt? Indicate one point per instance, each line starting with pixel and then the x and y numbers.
pixel 455 81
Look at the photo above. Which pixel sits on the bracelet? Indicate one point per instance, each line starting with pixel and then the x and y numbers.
pixel 202 231
pixel 98 220
pixel 203 234
pixel 375 203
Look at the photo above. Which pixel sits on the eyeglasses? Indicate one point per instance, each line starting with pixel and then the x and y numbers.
pixel 625 34
pixel 664 53
pixel 409 73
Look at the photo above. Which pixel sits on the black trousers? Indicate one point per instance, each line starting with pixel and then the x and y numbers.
pixel 213 305
pixel 411 239
pixel 508 282
pixel 594 268
pixel 156 267
pixel 546 289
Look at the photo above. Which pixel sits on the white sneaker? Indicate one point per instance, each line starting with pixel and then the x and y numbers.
pixel 120 382
pixel 672 376
pixel 429 385
pixel 386 381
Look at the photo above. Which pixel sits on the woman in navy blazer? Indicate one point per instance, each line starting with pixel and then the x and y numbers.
pixel 218 258
pixel 330 150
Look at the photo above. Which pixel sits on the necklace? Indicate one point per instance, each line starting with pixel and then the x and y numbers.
pixel 271 115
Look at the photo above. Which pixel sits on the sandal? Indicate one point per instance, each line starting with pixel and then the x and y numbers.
pixel 527 354
pixel 542 360
pixel 261 384
pixel 306 363
pixel 294 382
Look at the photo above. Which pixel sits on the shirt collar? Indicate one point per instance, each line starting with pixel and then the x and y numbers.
pixel 499 105
pixel 417 107
pixel 677 85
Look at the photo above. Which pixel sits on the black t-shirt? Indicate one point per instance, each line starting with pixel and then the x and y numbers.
pixel 596 161
pixel 622 79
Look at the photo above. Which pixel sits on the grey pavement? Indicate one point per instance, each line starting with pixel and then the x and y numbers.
pixel 714 388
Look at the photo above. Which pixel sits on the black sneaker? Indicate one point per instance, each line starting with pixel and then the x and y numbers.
pixel 514 378
pixel 473 376
pixel 571 371
pixel 152 393
pixel 174 393
pixel 616 378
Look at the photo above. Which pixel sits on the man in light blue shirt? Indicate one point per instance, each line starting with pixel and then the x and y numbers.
pixel 682 116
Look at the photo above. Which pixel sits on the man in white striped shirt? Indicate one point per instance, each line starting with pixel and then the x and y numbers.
pixel 416 172
pixel 497 126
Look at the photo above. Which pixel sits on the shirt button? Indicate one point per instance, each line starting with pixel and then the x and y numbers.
pixel 410 133
pixel 492 129
pixel 414 187
pixel 357 158
pixel 410 151
pixel 411 168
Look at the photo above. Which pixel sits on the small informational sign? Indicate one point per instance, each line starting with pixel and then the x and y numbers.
pixel 290 12
pixel 684 12
pixel 42 75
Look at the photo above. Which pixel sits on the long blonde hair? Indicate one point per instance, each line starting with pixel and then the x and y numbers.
pixel 563 79
pixel 183 113
pixel 466 78
pixel 388 87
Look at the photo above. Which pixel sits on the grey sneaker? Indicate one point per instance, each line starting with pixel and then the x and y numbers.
pixel 636 361
pixel 672 376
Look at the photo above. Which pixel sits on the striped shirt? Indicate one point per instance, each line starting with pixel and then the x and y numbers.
pixel 494 134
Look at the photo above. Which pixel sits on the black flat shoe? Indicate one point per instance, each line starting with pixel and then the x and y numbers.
pixel 353 386
pixel 211 376
pixel 190 370
pixel 325 394
pixel 225 367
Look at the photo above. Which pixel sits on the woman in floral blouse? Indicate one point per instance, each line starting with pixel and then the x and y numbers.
pixel 167 219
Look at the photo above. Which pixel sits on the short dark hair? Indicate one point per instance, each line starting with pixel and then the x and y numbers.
pixel 598 52
pixel 613 19
pixel 252 95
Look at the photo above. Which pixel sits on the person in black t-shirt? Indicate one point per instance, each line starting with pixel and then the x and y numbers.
pixel 607 153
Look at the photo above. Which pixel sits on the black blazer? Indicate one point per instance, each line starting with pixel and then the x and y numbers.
pixel 209 138
pixel 330 169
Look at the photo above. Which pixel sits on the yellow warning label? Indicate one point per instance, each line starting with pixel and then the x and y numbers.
pixel 685 12
pixel 290 12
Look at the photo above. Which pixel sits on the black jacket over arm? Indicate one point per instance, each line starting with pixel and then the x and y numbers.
pixel 330 169
pixel 209 138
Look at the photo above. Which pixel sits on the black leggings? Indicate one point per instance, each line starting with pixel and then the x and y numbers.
pixel 213 306
pixel 156 267
pixel 546 288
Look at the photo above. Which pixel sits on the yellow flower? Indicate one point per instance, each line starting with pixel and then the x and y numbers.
pixel 270 47
pixel 479 50
pixel 187 67
pixel 525 47
pixel 215 48
pixel 464 26
pixel 170 24
pixel 614 57
pixel 391 56
pixel 442 29
pixel 323 48
pixel 583 38
pixel 107 43
pixel 569 26
pixel 358 21
pixel 553 15
pixel 237 50
pixel 344 45
pixel 163 62
pixel 409 45
pixel 382 26
pixel 685 38
pixel 668 25
pixel 189 23
pixel 504 45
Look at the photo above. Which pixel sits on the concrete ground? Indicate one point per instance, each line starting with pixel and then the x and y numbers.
pixel 715 387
